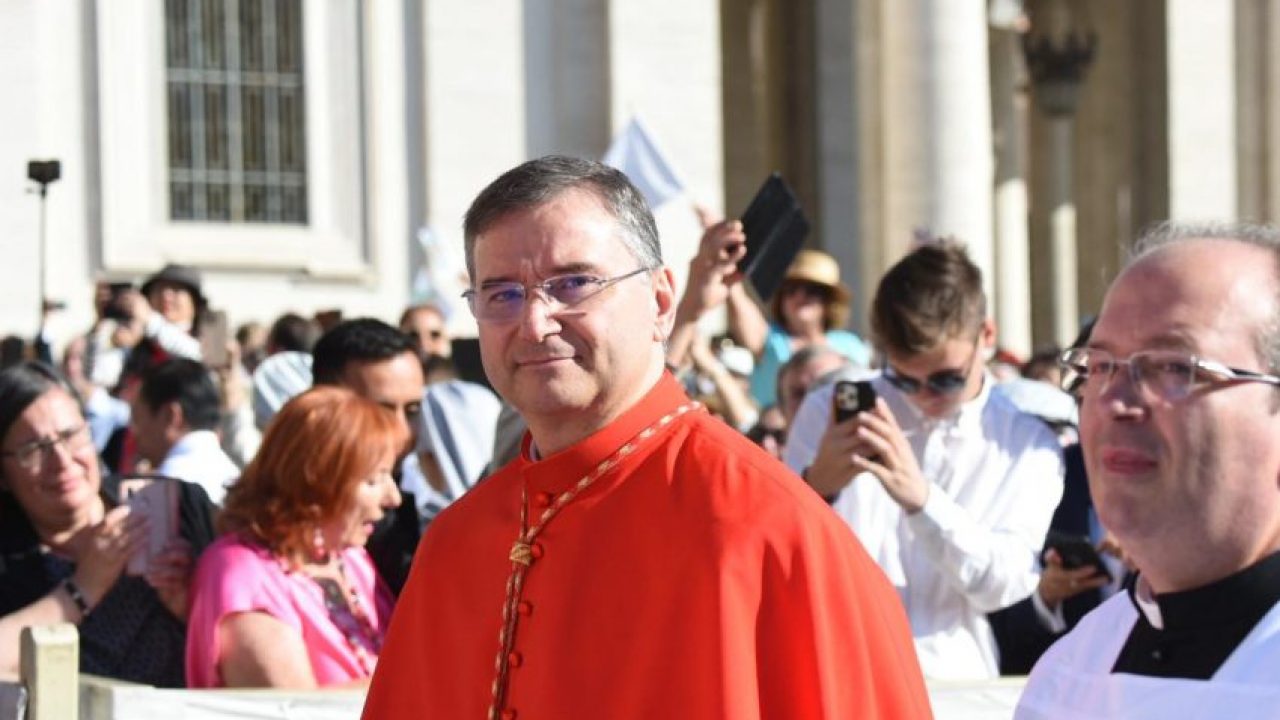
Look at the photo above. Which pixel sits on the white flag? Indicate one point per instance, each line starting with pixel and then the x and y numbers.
pixel 442 276
pixel 635 152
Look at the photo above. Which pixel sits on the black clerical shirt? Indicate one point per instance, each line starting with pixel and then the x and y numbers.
pixel 1202 627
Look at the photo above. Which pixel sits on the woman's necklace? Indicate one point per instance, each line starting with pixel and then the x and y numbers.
pixel 524 551
pixel 348 614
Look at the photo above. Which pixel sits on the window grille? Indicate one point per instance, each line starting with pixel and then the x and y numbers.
pixel 237 112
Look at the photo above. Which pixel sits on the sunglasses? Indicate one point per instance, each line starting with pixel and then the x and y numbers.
pixel 811 289
pixel 943 382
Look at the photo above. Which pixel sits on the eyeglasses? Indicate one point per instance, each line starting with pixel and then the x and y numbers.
pixel 504 301
pixel 943 382
pixel 811 289
pixel 1164 374
pixel 30 456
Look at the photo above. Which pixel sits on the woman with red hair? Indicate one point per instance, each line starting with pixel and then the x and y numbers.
pixel 288 596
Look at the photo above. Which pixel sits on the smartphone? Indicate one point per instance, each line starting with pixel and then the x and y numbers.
pixel 852 397
pixel 775 226
pixel 213 340
pixel 1076 552
pixel 115 308
pixel 157 499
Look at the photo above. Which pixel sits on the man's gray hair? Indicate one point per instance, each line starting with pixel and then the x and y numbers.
pixel 540 181
pixel 1266 237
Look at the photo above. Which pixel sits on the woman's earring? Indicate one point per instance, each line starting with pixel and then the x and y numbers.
pixel 319 552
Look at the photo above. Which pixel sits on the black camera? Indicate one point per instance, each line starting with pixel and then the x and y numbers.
pixel 115 308
pixel 44 171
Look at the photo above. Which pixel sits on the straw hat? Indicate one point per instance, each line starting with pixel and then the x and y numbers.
pixel 819 268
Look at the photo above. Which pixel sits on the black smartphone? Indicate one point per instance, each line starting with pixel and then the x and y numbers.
pixel 852 397
pixel 116 309
pixel 775 226
pixel 1076 552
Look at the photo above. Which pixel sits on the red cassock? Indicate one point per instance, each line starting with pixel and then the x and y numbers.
pixel 697 578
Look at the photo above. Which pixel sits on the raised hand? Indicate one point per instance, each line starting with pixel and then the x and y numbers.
pixel 883 451
pixel 102 550
pixel 1058 583
pixel 169 572
pixel 833 466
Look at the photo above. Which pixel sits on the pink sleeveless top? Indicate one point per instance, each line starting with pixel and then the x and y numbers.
pixel 235 575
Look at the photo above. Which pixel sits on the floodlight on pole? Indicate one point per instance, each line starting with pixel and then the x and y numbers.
pixel 43 172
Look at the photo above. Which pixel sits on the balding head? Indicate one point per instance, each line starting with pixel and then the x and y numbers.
pixel 1179 418
pixel 1264 238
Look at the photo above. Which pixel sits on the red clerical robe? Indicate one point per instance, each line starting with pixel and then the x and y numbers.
pixel 699 578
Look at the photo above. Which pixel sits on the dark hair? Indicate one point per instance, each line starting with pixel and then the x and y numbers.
pixel 188 383
pixel 1041 363
pixel 931 295
pixel 540 181
pixel 23 384
pixel 13 350
pixel 292 332
pixel 412 310
pixel 359 340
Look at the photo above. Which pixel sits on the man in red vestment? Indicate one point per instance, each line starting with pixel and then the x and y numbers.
pixel 639 559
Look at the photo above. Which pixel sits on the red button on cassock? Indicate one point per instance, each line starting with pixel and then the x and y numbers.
pixel 536 550
pixel 525 608
pixel 543 499
pixel 514 659
pixel 508 714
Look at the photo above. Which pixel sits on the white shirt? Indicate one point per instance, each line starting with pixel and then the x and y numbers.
pixel 995 478
pixel 198 458
pixel 1074 679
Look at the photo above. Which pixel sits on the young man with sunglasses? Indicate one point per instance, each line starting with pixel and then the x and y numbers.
pixel 946 483
pixel 639 558
pixel 1179 391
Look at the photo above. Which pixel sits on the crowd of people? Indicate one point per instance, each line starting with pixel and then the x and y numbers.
pixel 640 520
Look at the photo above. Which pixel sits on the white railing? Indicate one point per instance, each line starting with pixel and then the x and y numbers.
pixel 50 680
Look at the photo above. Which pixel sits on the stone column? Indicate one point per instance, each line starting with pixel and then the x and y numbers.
pixel 840 100
pixel 938 167
pixel 1012 237
pixel 1202 110
pixel 566 73
pixel 1059 48
pixel 664 64
pixel 1062 229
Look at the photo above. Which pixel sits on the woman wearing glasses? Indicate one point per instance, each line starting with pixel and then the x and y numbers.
pixel 811 308
pixel 65 541
pixel 288 597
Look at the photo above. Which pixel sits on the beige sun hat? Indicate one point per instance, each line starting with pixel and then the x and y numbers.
pixel 818 267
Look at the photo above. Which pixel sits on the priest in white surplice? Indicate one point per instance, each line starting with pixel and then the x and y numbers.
pixel 1179 392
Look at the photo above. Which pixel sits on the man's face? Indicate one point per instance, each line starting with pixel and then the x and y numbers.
pixel 427 326
pixel 955 364
pixel 583 364
pixel 151 432
pixel 395 384
pixel 796 383
pixel 370 499
pixel 1195 477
